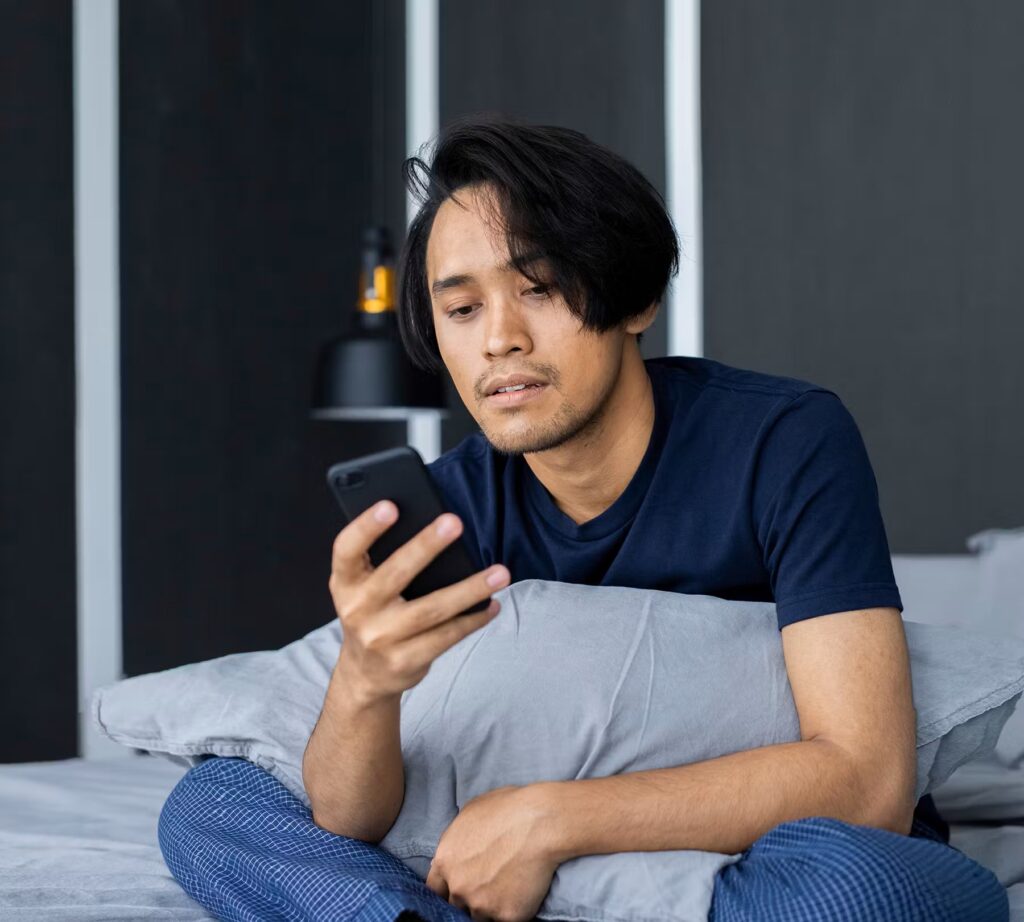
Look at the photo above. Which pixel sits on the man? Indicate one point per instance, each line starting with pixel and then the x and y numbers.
pixel 535 263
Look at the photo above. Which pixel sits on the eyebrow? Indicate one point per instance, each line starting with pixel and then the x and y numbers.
pixel 465 278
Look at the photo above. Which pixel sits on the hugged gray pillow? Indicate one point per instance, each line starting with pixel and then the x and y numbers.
pixel 569 681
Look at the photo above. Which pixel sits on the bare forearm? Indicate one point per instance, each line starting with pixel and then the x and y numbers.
pixel 352 767
pixel 719 805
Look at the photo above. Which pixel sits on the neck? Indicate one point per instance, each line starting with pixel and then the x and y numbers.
pixel 588 473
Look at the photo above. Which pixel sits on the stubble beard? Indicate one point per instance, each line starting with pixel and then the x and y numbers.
pixel 569 422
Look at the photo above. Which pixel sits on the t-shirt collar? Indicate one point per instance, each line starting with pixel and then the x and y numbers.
pixel 625 507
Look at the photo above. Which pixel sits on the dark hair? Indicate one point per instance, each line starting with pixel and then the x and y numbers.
pixel 594 215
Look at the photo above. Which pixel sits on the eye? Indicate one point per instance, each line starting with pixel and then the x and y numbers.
pixel 540 290
pixel 455 311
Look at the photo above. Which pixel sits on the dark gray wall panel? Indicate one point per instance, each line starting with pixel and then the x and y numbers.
pixel 248 173
pixel 387 115
pixel 38 662
pixel 592 65
pixel 862 218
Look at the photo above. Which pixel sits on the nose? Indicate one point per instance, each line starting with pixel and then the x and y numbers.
pixel 505 329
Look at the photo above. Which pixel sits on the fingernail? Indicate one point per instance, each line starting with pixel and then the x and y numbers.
pixel 498 577
pixel 384 512
pixel 447 526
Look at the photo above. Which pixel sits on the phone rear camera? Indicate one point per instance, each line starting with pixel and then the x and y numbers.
pixel 351 479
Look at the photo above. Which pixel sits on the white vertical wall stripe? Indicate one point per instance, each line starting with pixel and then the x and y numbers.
pixel 423 432
pixel 422 106
pixel 683 173
pixel 97 361
pixel 422 121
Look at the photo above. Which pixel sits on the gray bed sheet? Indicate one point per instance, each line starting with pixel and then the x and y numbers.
pixel 78 842
pixel 1000 848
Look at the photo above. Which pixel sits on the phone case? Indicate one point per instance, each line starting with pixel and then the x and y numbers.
pixel 400 475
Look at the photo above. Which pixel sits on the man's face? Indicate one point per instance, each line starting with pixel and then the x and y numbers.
pixel 492 322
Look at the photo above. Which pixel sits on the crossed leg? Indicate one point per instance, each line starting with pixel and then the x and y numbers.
pixel 820 869
pixel 245 848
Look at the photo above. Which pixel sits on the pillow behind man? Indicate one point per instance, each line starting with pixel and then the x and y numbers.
pixel 979 593
pixel 569 681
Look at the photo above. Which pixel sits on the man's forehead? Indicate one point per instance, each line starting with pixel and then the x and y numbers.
pixel 465 227
pixel 463 245
pixel 457 278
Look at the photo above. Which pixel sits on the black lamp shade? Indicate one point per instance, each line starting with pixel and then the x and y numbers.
pixel 369 369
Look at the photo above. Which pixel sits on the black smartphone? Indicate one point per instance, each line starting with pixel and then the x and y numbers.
pixel 400 475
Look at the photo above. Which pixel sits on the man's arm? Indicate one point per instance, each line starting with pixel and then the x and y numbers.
pixel 856 760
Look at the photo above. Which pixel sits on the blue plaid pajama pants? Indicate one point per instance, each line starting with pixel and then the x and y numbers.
pixel 246 849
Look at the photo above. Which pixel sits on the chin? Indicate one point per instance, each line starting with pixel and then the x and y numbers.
pixel 534 437
pixel 515 444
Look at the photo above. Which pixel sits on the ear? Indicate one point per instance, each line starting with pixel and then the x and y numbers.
pixel 641 322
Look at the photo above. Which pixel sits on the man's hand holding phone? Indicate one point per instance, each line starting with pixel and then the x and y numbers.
pixel 389 643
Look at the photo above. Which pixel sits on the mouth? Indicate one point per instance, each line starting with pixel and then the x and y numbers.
pixel 516 396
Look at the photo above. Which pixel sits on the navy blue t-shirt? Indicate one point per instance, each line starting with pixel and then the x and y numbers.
pixel 753 487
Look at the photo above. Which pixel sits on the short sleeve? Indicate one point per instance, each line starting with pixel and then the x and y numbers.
pixel 817 515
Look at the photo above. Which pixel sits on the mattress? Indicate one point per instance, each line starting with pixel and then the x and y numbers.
pixel 78 842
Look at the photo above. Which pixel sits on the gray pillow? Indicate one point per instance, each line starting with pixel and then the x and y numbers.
pixel 569 681
pixel 981 592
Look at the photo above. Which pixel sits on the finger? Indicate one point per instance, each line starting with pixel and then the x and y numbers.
pixel 437 883
pixel 426 647
pixel 439 606
pixel 406 562
pixel 351 547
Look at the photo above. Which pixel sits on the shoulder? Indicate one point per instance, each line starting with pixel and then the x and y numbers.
pixel 711 375
pixel 744 399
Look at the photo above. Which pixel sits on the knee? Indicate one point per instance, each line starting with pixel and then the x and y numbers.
pixel 206 801
pixel 824 851
pixel 179 823
pixel 820 867
pixel 835 845
pixel 897 876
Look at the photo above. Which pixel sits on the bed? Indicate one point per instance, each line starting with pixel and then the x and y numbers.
pixel 78 837
pixel 78 842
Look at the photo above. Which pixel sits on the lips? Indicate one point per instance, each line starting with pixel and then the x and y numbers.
pixel 514 398
pixel 511 381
